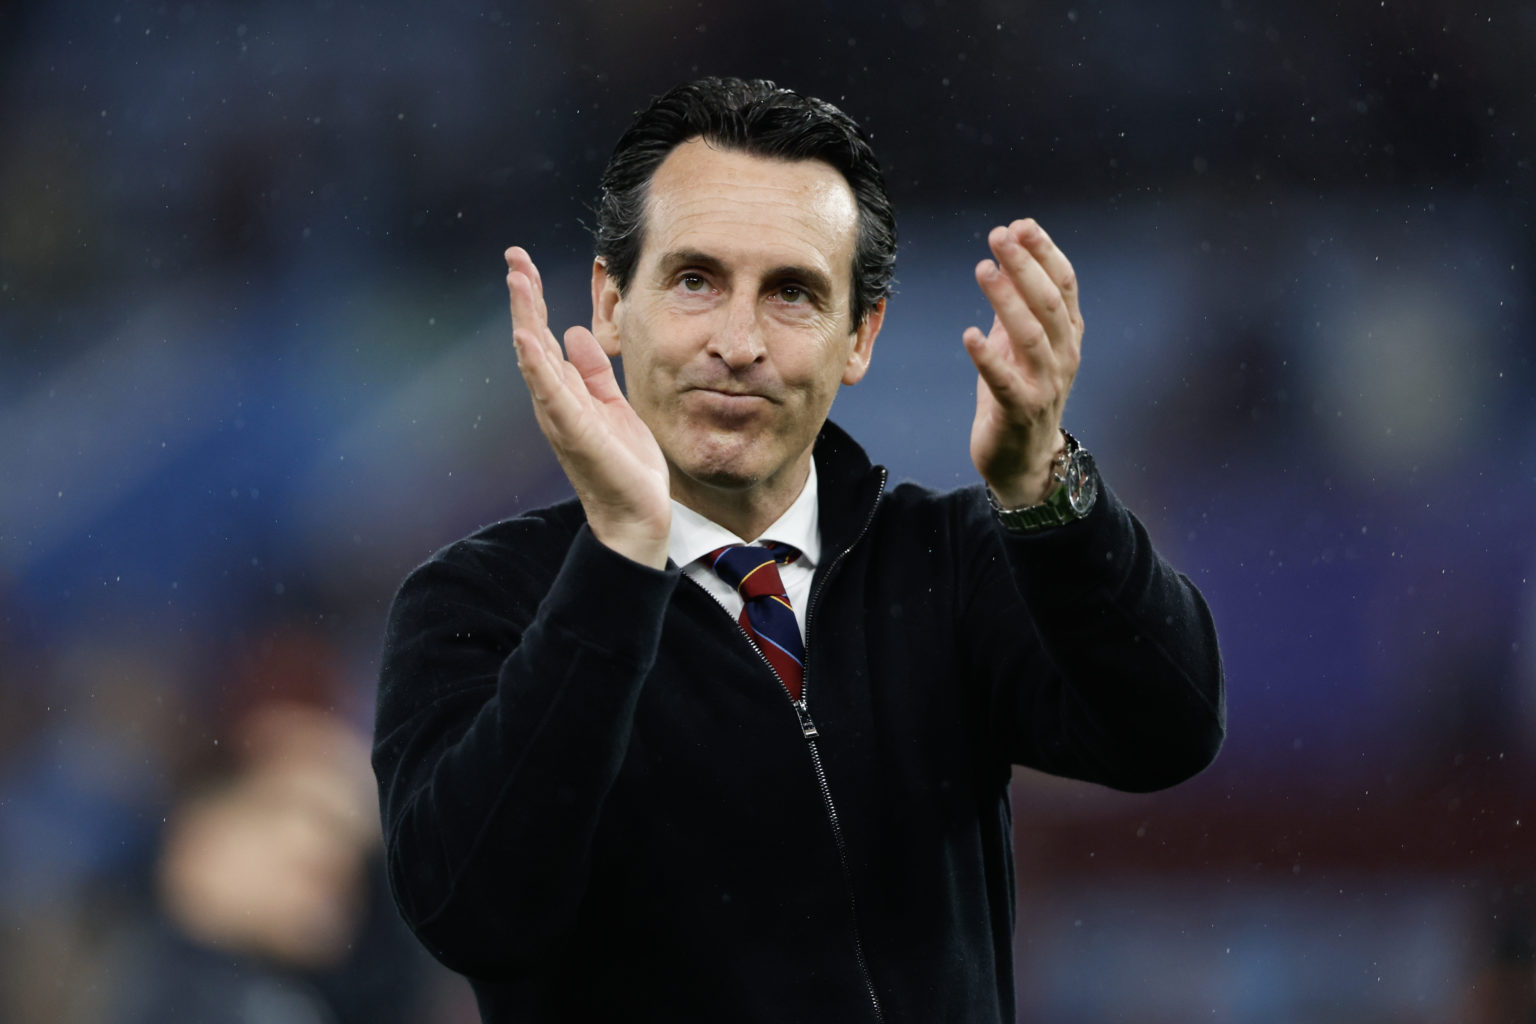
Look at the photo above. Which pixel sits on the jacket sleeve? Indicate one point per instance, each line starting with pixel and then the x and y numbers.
pixel 506 699
pixel 1100 661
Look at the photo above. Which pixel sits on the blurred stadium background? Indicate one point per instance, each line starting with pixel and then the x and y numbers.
pixel 254 365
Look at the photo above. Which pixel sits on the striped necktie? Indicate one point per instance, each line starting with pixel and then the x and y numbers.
pixel 766 614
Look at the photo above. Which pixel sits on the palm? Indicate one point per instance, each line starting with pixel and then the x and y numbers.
pixel 1026 362
pixel 607 452
pixel 1000 430
pixel 601 435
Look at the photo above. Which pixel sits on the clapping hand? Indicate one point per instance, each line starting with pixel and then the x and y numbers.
pixel 1025 364
pixel 609 455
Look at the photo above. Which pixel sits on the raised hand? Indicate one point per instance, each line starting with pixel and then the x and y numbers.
pixel 609 455
pixel 1025 364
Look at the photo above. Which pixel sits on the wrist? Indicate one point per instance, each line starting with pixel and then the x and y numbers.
pixel 1035 485
pixel 1031 490
pixel 1070 495
pixel 643 543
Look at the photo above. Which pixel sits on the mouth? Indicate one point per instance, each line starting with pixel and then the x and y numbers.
pixel 727 405
pixel 731 395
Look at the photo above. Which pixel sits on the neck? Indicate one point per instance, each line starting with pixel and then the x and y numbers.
pixel 745 511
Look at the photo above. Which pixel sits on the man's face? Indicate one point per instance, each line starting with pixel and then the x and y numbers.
pixel 735 329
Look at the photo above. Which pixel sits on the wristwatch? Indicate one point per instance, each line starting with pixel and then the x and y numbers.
pixel 1071 499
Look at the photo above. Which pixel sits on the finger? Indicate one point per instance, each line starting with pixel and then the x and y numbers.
pixel 1040 293
pixel 1028 340
pixel 538 390
pixel 518 259
pixel 560 401
pixel 526 311
pixel 520 292
pixel 1033 237
pixel 1000 374
pixel 533 360
pixel 589 359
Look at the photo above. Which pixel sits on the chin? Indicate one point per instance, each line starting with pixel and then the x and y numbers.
pixel 729 462
pixel 728 476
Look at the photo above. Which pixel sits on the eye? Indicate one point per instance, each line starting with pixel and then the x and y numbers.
pixel 794 294
pixel 693 282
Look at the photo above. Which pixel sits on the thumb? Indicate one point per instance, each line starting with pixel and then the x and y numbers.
pixel 1000 378
pixel 596 370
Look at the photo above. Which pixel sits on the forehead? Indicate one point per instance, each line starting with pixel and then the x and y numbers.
pixel 747 210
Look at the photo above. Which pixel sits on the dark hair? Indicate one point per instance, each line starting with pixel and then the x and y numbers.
pixel 758 118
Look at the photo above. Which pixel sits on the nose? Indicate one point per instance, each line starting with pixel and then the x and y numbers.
pixel 739 340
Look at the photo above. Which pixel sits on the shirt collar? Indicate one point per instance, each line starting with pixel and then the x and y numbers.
pixel 693 536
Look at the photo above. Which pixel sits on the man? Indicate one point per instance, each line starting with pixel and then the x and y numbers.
pixel 605 799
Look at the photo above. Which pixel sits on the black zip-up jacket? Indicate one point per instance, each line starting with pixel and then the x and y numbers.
pixel 600 804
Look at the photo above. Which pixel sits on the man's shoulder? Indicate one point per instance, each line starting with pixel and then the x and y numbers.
pixel 914 519
pixel 531 543
pixel 911 502
pixel 905 512
pixel 539 528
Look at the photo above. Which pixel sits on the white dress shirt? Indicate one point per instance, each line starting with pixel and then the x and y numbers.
pixel 693 537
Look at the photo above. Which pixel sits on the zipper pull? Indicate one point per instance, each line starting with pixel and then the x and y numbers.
pixel 807 726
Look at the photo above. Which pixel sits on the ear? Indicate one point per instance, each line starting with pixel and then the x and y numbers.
pixel 863 345
pixel 605 309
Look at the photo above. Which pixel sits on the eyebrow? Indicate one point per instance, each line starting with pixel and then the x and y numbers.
pixel 671 262
pixel 678 259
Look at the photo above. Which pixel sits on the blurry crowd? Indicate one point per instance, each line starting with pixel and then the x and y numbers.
pixel 178 852
pixel 254 366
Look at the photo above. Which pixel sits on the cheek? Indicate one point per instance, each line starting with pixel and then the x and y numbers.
pixel 638 354
pixel 828 361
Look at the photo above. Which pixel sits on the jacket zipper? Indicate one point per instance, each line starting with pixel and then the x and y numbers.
pixel 810 732
pixel 808 728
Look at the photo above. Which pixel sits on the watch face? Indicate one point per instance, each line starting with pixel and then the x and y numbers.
pixel 1082 485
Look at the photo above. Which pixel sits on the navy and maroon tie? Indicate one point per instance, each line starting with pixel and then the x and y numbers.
pixel 766 613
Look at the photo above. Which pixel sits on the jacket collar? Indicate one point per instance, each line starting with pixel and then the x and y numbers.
pixel 850 489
